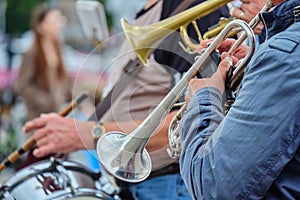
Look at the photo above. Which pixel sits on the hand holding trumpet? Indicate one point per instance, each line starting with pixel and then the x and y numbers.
pixel 248 10
pixel 218 78
pixel 251 8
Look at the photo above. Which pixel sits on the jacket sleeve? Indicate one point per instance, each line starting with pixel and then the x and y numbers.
pixel 203 116
pixel 25 86
pixel 245 154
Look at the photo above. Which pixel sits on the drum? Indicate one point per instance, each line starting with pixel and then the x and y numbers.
pixel 54 179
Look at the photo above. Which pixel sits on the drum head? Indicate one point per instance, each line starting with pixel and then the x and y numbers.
pixel 53 180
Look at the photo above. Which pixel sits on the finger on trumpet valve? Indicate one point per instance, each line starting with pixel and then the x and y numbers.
pixel 229 61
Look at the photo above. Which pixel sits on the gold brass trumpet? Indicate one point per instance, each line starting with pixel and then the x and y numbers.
pixel 142 38
pixel 125 156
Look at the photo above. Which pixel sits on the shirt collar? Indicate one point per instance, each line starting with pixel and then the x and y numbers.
pixel 281 17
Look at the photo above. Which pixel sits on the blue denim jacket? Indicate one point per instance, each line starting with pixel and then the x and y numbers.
pixel 253 152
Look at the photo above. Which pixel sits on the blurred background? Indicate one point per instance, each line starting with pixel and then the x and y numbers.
pixel 84 63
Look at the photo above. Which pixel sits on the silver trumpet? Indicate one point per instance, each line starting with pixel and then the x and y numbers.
pixel 125 156
pixel 174 149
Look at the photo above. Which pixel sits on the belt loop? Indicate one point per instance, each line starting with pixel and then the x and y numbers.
pixel 297 14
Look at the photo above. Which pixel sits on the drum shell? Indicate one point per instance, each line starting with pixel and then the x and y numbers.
pixel 52 180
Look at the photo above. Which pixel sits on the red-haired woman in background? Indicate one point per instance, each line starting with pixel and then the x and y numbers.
pixel 42 80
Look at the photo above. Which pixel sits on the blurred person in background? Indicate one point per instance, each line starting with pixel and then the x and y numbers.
pixel 42 81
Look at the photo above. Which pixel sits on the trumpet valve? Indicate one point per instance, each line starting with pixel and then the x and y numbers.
pixel 174 150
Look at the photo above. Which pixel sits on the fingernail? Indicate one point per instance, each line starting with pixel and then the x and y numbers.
pixel 24 127
pixel 36 153
pixel 228 60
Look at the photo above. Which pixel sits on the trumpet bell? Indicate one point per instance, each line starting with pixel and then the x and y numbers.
pixel 127 163
pixel 143 38
pixel 134 32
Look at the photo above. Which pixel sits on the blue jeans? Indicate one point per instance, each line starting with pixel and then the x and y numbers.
pixel 164 187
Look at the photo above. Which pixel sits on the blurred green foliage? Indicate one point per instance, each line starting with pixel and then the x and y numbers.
pixel 109 16
pixel 18 15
